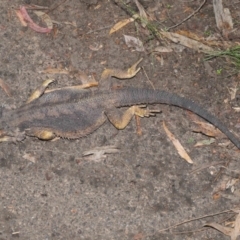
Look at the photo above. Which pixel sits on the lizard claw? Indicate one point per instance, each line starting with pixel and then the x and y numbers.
pixel 143 111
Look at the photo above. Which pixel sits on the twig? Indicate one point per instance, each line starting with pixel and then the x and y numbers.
pixel 205 166
pixel 54 7
pixel 194 219
pixel 184 20
pixel 148 78
pixel 221 171
pixel 99 29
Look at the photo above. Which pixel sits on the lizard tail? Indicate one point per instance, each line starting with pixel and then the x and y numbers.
pixel 143 96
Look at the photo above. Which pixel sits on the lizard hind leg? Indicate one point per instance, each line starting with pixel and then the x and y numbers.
pixel 42 134
pixel 121 120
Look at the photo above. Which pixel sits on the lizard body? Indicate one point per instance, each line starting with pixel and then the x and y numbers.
pixel 72 113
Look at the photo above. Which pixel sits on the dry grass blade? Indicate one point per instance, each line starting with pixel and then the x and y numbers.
pixel 5 87
pixel 142 13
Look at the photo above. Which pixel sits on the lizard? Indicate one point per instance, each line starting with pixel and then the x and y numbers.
pixel 72 113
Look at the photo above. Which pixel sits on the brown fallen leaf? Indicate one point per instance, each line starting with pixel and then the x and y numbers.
pixel 204 127
pixel 29 157
pixel 233 92
pixel 216 196
pixel 220 228
pixel 138 236
pixel 99 153
pixel 187 42
pixel 40 90
pixel 236 231
pixel 236 109
pixel 181 151
pixel 54 71
pixel 142 13
pixel 223 17
pixel 204 142
pixel 83 77
pixel 134 43
pixel 45 18
pixel 79 87
pixel 120 25
pixel 212 40
pixel 5 87
pixel 96 47
pixel 233 233
pixel 163 49
pixel 208 129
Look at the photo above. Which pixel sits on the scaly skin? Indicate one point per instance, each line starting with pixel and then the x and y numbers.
pixel 70 113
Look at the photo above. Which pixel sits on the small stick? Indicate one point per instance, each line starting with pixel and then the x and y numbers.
pixel 194 219
pixel 187 18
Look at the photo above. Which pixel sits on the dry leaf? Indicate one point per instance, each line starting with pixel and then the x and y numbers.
pixel 236 109
pixel 99 153
pixel 220 228
pixel 138 236
pixel 142 13
pixel 120 25
pixel 233 92
pixel 205 142
pixel 134 42
pixel 29 157
pixel 216 196
pixel 163 49
pixel 5 87
pixel 50 70
pixel 181 151
pixel 212 40
pixel 40 90
pixel 96 47
pixel 45 18
pixel 223 17
pixel 236 231
pixel 83 77
pixel 233 233
pixel 207 129
pixel 187 42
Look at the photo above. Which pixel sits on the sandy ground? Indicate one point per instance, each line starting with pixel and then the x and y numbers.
pixel 49 191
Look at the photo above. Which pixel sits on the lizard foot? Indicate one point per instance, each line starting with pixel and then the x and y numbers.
pixel 143 111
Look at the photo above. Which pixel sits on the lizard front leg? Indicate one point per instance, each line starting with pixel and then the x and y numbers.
pixel 121 120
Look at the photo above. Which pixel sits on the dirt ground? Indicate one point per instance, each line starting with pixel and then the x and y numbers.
pixel 49 191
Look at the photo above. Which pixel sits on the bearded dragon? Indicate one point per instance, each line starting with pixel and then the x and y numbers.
pixel 73 113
